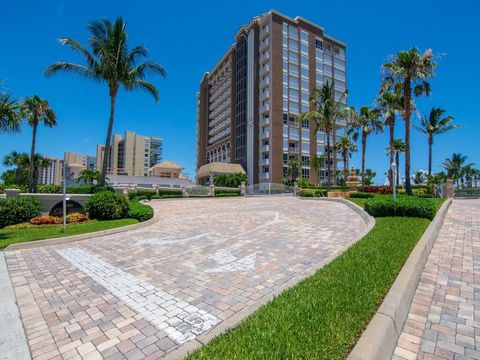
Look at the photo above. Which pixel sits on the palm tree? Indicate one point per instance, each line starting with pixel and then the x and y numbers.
pixel 21 161
pixel 469 172
pixel 110 61
pixel 345 146
pixel 293 170
pixel 398 147
pixel 454 166
pixel 419 178
pixel 433 126
pixel 316 162
pixel 36 111
pixel 369 176
pixel 367 121
pixel 390 103
pixel 409 69
pixel 89 176
pixel 10 116
pixel 325 114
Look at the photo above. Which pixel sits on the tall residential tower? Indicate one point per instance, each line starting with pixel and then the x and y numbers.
pixel 248 102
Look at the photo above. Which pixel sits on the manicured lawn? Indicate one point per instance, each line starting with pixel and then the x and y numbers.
pixel 324 315
pixel 361 202
pixel 40 232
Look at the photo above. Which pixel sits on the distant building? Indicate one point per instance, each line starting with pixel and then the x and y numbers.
pixel 166 169
pixel 52 174
pixel 87 161
pixel 132 155
pixel 76 163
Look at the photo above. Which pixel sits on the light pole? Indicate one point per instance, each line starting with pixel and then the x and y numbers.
pixel 64 200
pixel 394 178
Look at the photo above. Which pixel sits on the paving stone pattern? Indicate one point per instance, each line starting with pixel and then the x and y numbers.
pixel 444 318
pixel 143 293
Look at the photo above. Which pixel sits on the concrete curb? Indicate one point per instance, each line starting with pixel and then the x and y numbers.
pixel 13 341
pixel 73 238
pixel 380 338
pixel 238 317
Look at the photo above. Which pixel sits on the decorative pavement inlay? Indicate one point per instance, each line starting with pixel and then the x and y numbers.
pixel 143 293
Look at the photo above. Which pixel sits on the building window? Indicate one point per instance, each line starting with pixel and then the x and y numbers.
pixel 318 44
pixel 305 173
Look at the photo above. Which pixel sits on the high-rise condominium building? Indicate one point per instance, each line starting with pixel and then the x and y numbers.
pixel 247 104
pixel 132 155
pixel 53 173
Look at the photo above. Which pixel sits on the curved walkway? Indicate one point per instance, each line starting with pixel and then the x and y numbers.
pixel 444 318
pixel 147 292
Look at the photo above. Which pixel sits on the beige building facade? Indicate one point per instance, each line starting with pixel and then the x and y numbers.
pixel 247 104
pixel 131 155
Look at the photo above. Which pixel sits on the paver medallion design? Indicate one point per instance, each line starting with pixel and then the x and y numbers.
pixel 143 293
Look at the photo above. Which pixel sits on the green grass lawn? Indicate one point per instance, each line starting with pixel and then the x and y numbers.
pixel 40 232
pixel 324 315
pixel 361 202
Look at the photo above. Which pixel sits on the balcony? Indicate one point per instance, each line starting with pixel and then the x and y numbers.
pixel 265 44
pixel 264 108
pixel 264 96
pixel 264 57
pixel 264 33
pixel 264 162
pixel 264 122
pixel 293 150
pixel 264 134
pixel 265 69
pixel 264 148
pixel 264 83
pixel 264 176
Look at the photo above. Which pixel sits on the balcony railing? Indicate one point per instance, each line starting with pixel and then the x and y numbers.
pixel 264 108
pixel 264 148
pixel 264 44
pixel 264 32
pixel 264 134
pixel 293 150
pixel 264 57
pixel 264 96
pixel 264 162
pixel 264 122
pixel 265 69
pixel 265 82
pixel 264 176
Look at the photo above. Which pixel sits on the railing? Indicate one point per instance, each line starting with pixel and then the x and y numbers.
pixel 467 192
pixel 264 121
pixel 269 189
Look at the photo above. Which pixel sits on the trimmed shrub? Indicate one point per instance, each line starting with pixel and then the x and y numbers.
pixel 107 205
pixel 227 192
pixel 152 194
pixel 170 196
pixel 313 193
pixel 380 206
pixel 361 195
pixel 18 210
pixel 45 220
pixel 75 218
pixel 382 189
pixel 306 184
pixel 49 189
pixel 140 212
pixel 87 189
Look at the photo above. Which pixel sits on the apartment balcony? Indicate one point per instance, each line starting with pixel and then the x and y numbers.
pixel 264 108
pixel 264 134
pixel 264 122
pixel 264 96
pixel 265 44
pixel 264 176
pixel 264 162
pixel 264 57
pixel 293 150
pixel 264 148
pixel 264 83
pixel 265 69
pixel 264 33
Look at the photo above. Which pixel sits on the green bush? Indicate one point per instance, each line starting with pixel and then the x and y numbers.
pixel 424 196
pixel 139 211
pixel 361 195
pixel 171 196
pixel 410 206
pixel 227 192
pixel 152 194
pixel 230 180
pixel 226 195
pixel 18 210
pixel 49 189
pixel 313 193
pixel 87 189
pixel 107 205
pixel 306 184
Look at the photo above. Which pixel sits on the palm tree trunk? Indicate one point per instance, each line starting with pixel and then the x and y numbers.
pixel 407 91
pixel 364 150
pixel 430 143
pixel 392 135
pixel 335 155
pixel 106 153
pixel 329 175
pixel 345 165
pixel 31 186
pixel 397 161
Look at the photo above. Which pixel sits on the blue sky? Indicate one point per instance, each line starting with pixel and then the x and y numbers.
pixel 188 38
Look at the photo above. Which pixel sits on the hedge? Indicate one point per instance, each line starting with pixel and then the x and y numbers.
pixel 313 193
pixel 140 212
pixel 107 205
pixel 361 195
pixel 382 189
pixel 18 210
pixel 152 194
pixel 380 206
pixel 229 192
pixel 87 189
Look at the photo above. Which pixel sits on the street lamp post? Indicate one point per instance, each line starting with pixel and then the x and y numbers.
pixel 394 178
pixel 64 200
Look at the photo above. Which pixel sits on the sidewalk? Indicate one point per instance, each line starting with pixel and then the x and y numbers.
pixel 444 318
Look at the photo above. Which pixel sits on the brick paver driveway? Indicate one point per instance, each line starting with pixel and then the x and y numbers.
pixel 444 318
pixel 144 293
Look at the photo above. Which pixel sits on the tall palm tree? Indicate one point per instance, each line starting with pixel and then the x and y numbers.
pixel 346 147
pixel 409 71
pixel 325 113
pixel 316 162
pixel 398 147
pixel 419 178
pixel 110 61
pixel 293 170
pixel 455 165
pixel 469 172
pixel 89 176
pixel 10 116
pixel 432 126
pixel 366 122
pixel 390 103
pixel 37 111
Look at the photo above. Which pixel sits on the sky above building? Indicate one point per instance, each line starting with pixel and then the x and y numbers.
pixel 189 37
